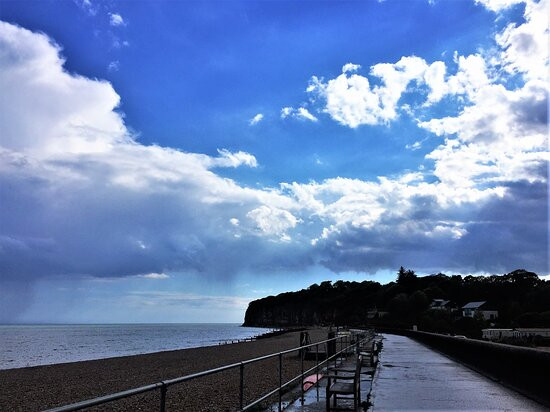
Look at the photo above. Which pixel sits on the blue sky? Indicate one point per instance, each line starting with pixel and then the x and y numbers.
pixel 170 161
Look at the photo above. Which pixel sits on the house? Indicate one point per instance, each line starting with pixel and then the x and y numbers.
pixel 472 309
pixel 440 304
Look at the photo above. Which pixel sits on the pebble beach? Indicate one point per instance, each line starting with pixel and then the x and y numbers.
pixel 42 387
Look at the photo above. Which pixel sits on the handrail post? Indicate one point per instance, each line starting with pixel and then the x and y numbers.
pixel 302 352
pixel 163 397
pixel 280 381
pixel 317 370
pixel 335 355
pixel 241 386
pixel 317 362
pixel 346 346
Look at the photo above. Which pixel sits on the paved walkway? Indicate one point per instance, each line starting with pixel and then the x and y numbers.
pixel 413 377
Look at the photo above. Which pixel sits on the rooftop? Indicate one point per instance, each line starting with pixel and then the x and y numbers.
pixel 473 305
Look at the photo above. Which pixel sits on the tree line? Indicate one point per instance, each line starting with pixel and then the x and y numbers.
pixel 521 298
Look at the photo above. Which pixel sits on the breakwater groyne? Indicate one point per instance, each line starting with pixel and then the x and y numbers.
pixel 526 370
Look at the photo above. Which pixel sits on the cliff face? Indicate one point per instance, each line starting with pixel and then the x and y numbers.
pixel 325 304
pixel 266 314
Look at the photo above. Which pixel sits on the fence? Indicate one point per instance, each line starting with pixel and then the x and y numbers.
pixel 346 344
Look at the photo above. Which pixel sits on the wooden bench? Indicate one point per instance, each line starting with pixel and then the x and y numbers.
pixel 352 386
pixel 370 354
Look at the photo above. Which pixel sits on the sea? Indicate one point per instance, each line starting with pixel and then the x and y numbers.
pixel 32 345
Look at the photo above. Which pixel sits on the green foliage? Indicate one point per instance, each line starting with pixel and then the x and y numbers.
pixel 405 276
pixel 533 320
pixel 436 321
pixel 419 301
pixel 470 327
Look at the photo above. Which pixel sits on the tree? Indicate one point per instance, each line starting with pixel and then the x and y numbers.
pixel 521 298
pixel 406 279
pixel 399 306
pixel 419 301
pixel 405 276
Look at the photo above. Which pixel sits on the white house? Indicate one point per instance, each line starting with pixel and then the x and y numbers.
pixel 472 309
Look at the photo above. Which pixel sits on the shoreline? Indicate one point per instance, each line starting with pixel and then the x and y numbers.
pixel 118 351
pixel 46 386
pixel 261 337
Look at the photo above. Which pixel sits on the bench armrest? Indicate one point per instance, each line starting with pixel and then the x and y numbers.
pixel 343 377
pixel 341 369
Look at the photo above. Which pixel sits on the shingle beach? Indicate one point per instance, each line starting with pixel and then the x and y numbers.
pixel 42 387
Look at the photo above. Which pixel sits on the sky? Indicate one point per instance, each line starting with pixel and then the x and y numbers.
pixel 172 161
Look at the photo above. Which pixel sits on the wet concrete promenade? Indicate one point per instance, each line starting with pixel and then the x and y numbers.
pixel 411 376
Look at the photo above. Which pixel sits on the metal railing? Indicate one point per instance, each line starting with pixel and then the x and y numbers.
pixel 346 345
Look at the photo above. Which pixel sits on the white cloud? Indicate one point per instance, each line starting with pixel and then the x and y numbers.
pixel 502 134
pixel 286 111
pixel 502 137
pixel 498 5
pixel 470 76
pixel 114 66
pixel 496 144
pixel 453 231
pixel 87 6
pixel 155 276
pixel 435 79
pixel 82 120
pixel 236 159
pixel 525 47
pixel 117 43
pixel 234 221
pixel 350 67
pixel 299 113
pixel 256 119
pixel 115 19
pixel 98 190
pixel 273 221
pixel 350 99
pixel 415 146
pixel 364 204
pixel 303 113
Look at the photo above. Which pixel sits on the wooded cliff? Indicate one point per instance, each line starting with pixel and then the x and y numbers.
pixel 521 297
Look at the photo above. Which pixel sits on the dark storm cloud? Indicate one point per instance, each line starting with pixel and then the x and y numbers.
pixel 504 234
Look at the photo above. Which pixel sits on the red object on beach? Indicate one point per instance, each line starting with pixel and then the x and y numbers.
pixel 311 380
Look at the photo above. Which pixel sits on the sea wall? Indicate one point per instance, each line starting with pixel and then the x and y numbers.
pixel 525 369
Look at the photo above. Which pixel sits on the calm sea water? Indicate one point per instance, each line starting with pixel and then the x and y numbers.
pixel 31 345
